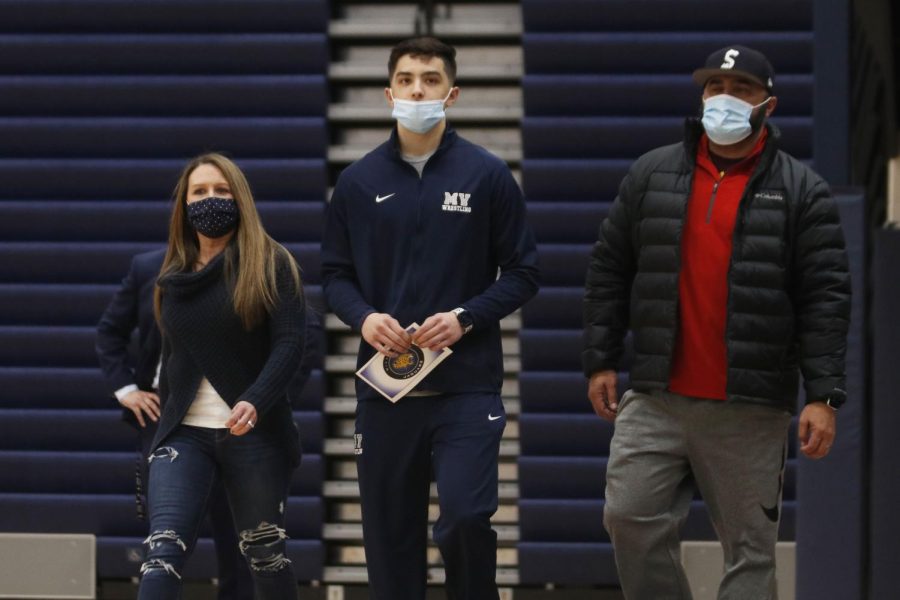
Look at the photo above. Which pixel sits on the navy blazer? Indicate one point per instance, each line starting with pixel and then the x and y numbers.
pixel 132 307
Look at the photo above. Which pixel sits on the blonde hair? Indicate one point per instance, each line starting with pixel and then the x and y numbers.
pixel 253 279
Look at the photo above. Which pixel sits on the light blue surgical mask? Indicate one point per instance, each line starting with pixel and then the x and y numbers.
pixel 421 116
pixel 726 119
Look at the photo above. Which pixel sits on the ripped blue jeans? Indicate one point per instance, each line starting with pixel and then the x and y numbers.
pixel 255 473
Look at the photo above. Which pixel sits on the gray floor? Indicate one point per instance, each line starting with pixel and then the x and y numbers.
pixel 126 590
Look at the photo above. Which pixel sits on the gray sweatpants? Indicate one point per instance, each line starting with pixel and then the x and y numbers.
pixel 735 453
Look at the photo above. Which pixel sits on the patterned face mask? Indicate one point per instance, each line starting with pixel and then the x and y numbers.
pixel 213 217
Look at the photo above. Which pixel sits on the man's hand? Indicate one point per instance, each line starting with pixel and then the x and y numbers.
pixel 384 333
pixel 602 393
pixel 816 430
pixel 242 419
pixel 140 402
pixel 438 331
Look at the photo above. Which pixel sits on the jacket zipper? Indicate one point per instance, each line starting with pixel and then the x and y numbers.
pixel 418 234
pixel 712 200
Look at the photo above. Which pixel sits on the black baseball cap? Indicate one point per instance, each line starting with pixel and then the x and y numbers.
pixel 734 60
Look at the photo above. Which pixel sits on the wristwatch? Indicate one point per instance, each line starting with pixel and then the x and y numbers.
pixel 465 319
pixel 835 398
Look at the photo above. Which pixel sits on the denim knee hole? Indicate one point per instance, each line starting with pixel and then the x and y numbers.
pixel 157 564
pixel 258 541
pixel 163 452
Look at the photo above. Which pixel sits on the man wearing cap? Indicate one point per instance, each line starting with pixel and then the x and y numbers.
pixel 725 257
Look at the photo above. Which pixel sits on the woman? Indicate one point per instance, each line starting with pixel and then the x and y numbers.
pixel 230 307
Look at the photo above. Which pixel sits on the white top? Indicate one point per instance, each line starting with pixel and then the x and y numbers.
pixel 208 409
pixel 127 389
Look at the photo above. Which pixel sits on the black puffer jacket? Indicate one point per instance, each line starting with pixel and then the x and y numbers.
pixel 788 288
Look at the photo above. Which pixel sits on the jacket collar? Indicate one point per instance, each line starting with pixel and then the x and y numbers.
pixel 189 282
pixel 392 146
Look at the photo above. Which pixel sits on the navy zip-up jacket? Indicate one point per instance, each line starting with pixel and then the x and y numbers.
pixel 412 247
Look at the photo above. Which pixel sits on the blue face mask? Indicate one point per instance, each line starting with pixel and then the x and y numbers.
pixel 726 119
pixel 421 116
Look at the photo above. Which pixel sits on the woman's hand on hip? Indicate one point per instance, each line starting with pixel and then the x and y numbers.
pixel 242 419
pixel 140 402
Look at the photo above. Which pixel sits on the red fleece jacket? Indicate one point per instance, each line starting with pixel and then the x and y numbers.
pixel 700 362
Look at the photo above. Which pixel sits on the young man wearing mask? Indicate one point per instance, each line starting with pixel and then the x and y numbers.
pixel 417 231
pixel 725 256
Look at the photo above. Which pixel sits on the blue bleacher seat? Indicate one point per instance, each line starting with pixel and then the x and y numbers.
pixel 197 16
pixel 102 262
pixel 97 430
pixel 639 95
pixel 572 180
pixel 84 388
pixel 576 563
pixel 150 179
pixel 562 521
pixel 313 394
pixel 553 307
pixel 558 391
pixel 566 222
pixel 551 349
pixel 114 514
pixel 657 52
pixel 57 346
pixel 164 95
pixel 38 303
pixel 561 264
pixel 76 220
pixel 164 54
pixel 665 15
pixel 560 350
pixel 553 434
pixel 107 472
pixel 561 477
pixel 617 137
pixel 162 137
pixel 553 391
pixel 55 387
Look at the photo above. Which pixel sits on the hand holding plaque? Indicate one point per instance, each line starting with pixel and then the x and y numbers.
pixel 394 377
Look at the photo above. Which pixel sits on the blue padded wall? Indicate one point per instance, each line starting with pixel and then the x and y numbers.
pixel 831 559
pixel 884 490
